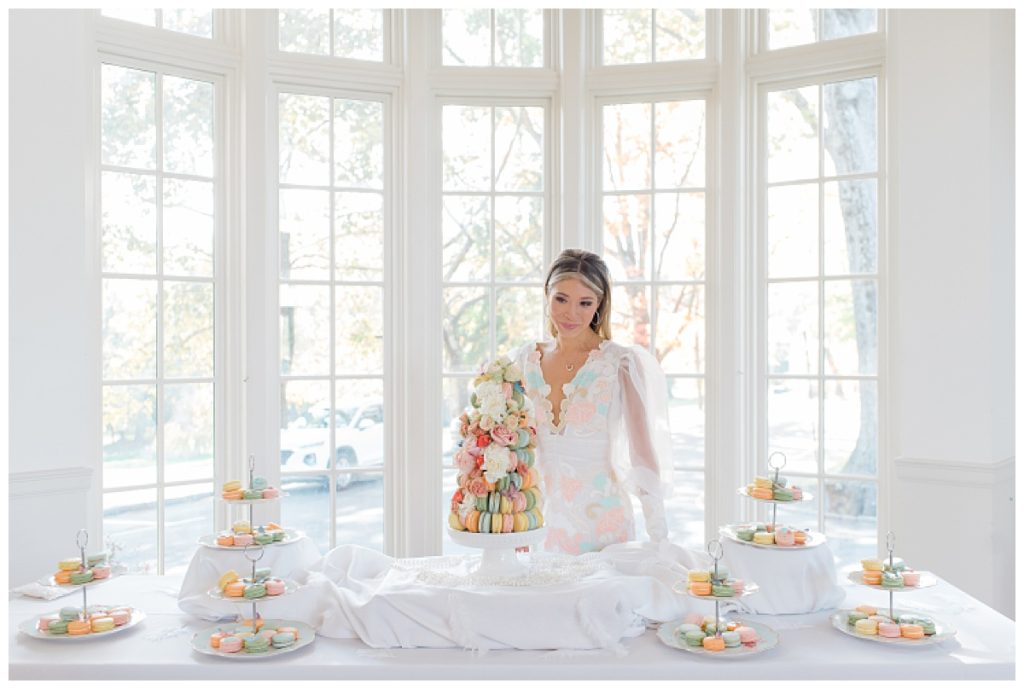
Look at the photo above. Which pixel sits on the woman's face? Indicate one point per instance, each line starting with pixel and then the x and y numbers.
pixel 572 306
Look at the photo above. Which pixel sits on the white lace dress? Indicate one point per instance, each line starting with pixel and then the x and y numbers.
pixel 611 439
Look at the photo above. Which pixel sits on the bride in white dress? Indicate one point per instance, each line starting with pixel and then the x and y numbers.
pixel 602 420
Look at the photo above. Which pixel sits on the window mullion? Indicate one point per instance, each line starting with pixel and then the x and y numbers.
pixel 160 306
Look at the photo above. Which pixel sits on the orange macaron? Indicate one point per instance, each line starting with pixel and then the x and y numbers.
pixel 236 589
pixel 700 588
pixel 871 577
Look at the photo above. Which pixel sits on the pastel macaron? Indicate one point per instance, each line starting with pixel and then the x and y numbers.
pixel 226 578
pixel 244 539
pixel 101 572
pixel 62 576
pixel 57 627
pixel 120 617
pixel 700 588
pixel 867 627
pixel 282 640
pixel 226 539
pixel 713 643
pixel 70 565
pixel 890 630
pixel 230 644
pixel 44 622
pixel 270 493
pixel 294 631
pixel 731 639
pixel 871 565
pixel 103 624
pixel 232 485
pixel 82 627
pixel 872 577
pixel 236 589
pixel 82 577
pixel 748 635
pixel 274 587
pixel 259 483
pixel 911 631
pixel 256 644
pixel 911 578
pixel 698 575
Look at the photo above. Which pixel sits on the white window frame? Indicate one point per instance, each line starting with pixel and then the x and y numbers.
pixel 813 64
pixel 167 52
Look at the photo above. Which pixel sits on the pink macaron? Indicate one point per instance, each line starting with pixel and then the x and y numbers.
pixel 889 629
pixel 268 634
pixel 231 644
pixel 120 617
pixel 275 587
pixel 270 492
pixel 44 622
pixel 747 635
pixel 243 539
pixel 737 586
pixel 911 578
pixel 101 571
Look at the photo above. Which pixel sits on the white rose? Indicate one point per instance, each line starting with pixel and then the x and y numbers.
pixel 513 373
pixel 496 461
pixel 467 505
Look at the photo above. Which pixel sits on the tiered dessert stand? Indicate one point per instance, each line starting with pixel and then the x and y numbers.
pixel 31 628
pixel 201 640
pixel 499 557
pixel 768 637
pixel 777 465
pixel 943 631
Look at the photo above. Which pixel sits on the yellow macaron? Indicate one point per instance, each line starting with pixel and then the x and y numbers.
pixel 232 485
pixel 70 564
pixel 226 578
pixel 871 565
pixel 698 575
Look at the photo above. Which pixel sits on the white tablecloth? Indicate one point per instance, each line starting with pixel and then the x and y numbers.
pixel 208 564
pixel 159 648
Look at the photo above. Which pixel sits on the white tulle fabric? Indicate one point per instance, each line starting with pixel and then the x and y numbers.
pixel 611 440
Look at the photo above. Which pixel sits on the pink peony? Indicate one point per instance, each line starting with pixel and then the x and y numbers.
pixel 465 462
pixel 478 487
pixel 503 436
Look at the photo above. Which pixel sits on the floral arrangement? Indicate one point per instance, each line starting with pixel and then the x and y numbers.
pixel 498 485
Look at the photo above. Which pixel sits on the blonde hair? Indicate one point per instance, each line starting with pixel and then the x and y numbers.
pixel 592 271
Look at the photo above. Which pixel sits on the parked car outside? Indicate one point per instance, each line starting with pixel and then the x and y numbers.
pixel 358 439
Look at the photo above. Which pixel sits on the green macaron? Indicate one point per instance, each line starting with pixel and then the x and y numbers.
pixel 257 644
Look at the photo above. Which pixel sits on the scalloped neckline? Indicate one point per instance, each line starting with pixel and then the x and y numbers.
pixel 545 391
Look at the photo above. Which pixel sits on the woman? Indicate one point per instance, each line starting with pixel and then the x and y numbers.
pixel 601 407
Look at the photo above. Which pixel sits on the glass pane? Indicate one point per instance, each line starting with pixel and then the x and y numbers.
pixel 188 431
pixel 188 515
pixel 627 222
pixel 305 234
pixel 631 315
pixel 359 34
pixel 128 119
pixel 305 425
pixel 793 134
pixel 465 230
pixel 850 112
pixel 680 340
pixel 304 31
pixel 130 530
pixel 129 329
pixel 358 330
pixel 851 327
pixel 679 133
pixel 791 27
pixel 359 236
pixel 519 38
pixel 520 317
pixel 851 427
pixel 129 223
pixel 188 126
pixel 308 507
pixel 305 330
pixel 687 399
pixel 837 23
pixel 793 423
pixel 518 149
pixel 684 511
pixel 188 329
pixel 627 146
pixel 129 435
pixel 627 36
pixel 360 510
pixel 851 227
pixel 679 34
pixel 192 22
pixel 467 37
pixel 466 135
pixel 465 339
pixel 359 143
pixel 679 236
pixel 793 231
pixel 304 139
pixel 138 16
pixel 793 327
pixel 188 228
pixel 519 237
pixel 851 522
pixel 454 401
pixel 359 426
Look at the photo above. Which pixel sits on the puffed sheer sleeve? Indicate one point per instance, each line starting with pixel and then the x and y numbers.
pixel 644 457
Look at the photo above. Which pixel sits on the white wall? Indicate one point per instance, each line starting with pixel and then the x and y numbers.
pixel 951 428
pixel 55 408
pixel 951 256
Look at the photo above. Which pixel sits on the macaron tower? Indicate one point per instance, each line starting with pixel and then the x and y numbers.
pixel 499 489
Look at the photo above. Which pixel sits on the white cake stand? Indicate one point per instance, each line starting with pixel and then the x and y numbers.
pixel 499 550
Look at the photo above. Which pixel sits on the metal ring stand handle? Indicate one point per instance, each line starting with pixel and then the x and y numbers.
pixel 258 551
pixel 716 551
pixel 82 540
pixel 775 479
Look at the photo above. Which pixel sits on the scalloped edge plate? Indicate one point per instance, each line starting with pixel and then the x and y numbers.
pixel 290 536
pixel 30 627
pixel 748 589
pixel 241 501
pixel 50 581
pixel 943 631
pixel 290 587
pixel 201 641
pixel 814 539
pixel 927 581
pixel 769 640
pixel 807 497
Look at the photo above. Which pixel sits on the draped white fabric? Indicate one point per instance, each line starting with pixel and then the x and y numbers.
pixel 790 582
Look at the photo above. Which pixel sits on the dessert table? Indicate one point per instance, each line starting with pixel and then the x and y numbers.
pixel 809 648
